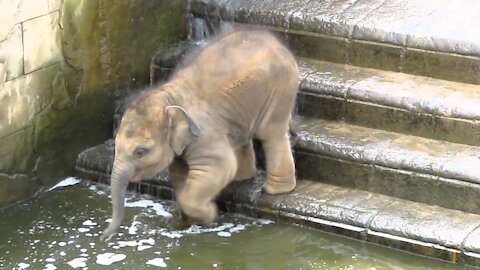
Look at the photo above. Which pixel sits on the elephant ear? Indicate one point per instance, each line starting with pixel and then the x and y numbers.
pixel 182 128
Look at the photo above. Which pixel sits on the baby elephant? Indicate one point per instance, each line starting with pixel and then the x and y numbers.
pixel 200 124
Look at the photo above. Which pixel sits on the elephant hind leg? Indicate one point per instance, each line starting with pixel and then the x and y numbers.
pixel 246 162
pixel 280 165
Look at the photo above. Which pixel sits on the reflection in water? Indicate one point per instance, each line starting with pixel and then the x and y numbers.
pixel 60 229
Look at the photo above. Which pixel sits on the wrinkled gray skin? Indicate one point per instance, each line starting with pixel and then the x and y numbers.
pixel 200 125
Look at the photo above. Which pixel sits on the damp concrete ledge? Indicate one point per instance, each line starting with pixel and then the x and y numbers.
pixel 398 102
pixel 429 38
pixel 408 167
pixel 392 101
pixel 422 229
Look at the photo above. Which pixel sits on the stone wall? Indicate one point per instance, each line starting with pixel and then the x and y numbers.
pixel 62 66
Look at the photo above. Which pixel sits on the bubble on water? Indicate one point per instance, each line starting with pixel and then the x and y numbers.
pixel 109 258
pixel 62 253
pixel 78 262
pixel 50 260
pixel 50 266
pixel 23 265
pixel 224 234
pixel 82 230
pixel 88 222
pixel 141 248
pixel 157 262
pixel 62 244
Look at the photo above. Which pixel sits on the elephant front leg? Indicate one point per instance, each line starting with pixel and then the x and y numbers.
pixel 280 165
pixel 246 162
pixel 178 176
pixel 204 183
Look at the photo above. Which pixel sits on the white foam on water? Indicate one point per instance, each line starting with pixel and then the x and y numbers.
pixel 142 248
pixel 95 189
pixel 224 230
pixel 82 230
pixel 78 262
pixel 62 253
pixel 238 228
pixel 157 262
pixel 133 228
pixel 50 260
pixel 172 235
pixel 127 243
pixel 88 222
pixel 83 250
pixel 140 244
pixel 264 221
pixel 62 244
pixel 224 234
pixel 109 258
pixel 149 204
pixel 49 266
pixel 23 265
pixel 70 181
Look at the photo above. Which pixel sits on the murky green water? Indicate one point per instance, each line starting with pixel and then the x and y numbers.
pixel 59 230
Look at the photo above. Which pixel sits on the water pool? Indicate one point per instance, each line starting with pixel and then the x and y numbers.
pixel 59 229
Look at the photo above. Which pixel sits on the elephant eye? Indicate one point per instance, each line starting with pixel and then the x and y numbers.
pixel 140 151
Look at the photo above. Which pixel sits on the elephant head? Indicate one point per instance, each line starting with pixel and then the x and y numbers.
pixel 151 133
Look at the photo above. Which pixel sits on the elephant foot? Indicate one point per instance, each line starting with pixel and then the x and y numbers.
pixel 273 187
pixel 204 214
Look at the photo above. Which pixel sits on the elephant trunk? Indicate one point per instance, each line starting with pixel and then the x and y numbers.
pixel 121 175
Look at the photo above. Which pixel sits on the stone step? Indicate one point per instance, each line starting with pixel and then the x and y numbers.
pixel 429 38
pixel 392 101
pixel 403 166
pixel 428 230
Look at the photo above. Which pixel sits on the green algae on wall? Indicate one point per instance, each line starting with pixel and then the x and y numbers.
pixel 63 100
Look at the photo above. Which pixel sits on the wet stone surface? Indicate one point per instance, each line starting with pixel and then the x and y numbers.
pixel 336 18
pixel 428 38
pixel 342 141
pixel 430 25
pixel 391 101
pixel 426 223
pixel 388 149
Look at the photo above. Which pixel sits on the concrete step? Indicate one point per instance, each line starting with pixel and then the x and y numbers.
pixel 403 166
pixel 392 101
pixel 433 231
pixel 429 38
